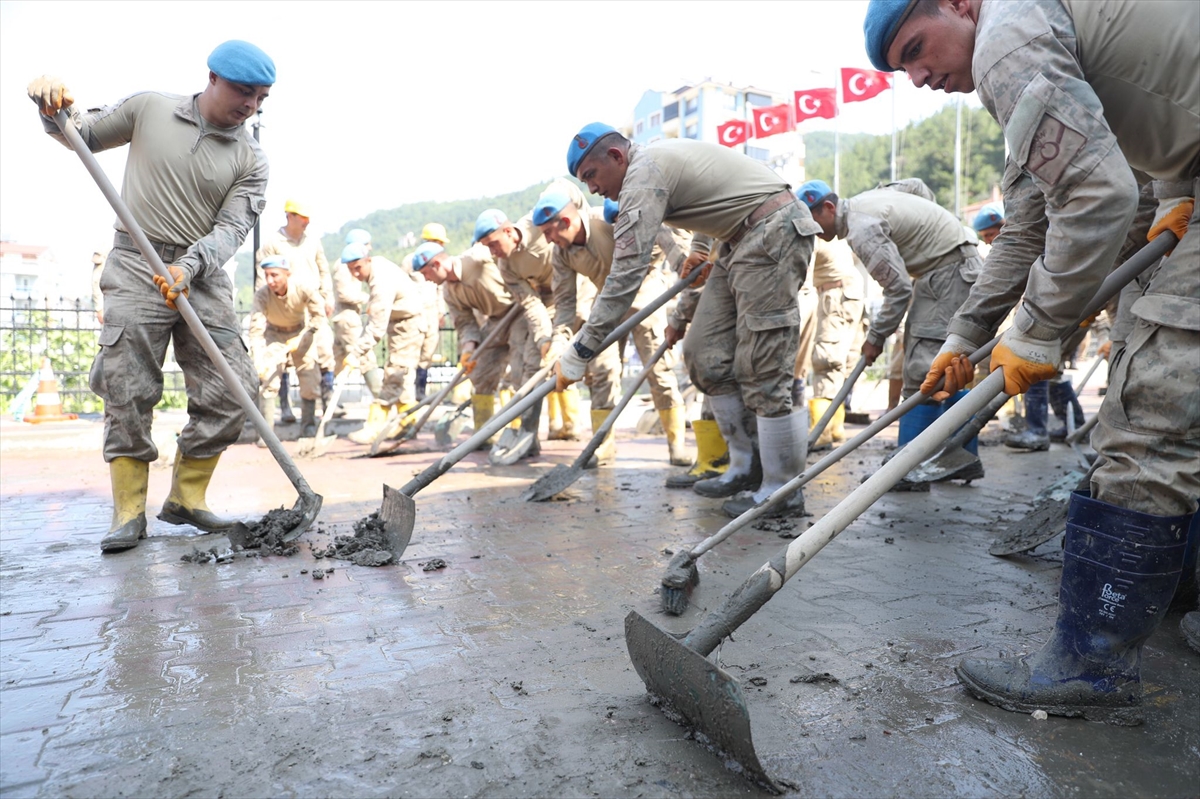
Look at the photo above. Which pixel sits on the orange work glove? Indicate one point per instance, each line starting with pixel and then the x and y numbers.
pixel 696 261
pixel 467 362
pixel 953 362
pixel 1025 360
pixel 1174 220
pixel 181 278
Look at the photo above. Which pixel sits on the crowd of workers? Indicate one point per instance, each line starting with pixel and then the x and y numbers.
pixel 776 313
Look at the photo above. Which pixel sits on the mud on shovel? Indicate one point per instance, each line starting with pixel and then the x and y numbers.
pixel 403 511
pixel 512 445
pixel 954 455
pixel 449 426
pixel 308 505
pixel 843 392
pixel 318 445
pixel 562 477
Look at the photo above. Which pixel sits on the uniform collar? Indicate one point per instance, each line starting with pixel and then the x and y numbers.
pixel 188 109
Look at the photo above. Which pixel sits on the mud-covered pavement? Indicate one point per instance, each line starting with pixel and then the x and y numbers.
pixel 504 673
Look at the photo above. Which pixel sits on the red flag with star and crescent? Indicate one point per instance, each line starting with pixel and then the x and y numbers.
pixel 863 84
pixel 733 132
pixel 772 120
pixel 814 103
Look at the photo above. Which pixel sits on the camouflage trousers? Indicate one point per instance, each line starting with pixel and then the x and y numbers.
pixel 839 319
pixel 429 344
pixel 937 294
pixel 347 329
pixel 404 339
pixel 283 348
pixel 127 372
pixel 746 330
pixel 492 362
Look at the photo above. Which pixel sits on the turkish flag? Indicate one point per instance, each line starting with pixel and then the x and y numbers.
pixel 733 132
pixel 771 120
pixel 813 103
pixel 863 84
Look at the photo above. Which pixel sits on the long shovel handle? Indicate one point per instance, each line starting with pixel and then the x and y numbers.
pixel 516 408
pixel 843 392
pixel 1091 371
pixel 598 437
pixel 339 386
pixel 770 577
pixel 185 308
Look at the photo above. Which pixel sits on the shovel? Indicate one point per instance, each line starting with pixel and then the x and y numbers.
pixel 561 477
pixel 404 510
pixel 843 392
pixel 317 446
pixel 450 425
pixel 393 426
pixel 954 456
pixel 706 698
pixel 308 505
pixel 512 445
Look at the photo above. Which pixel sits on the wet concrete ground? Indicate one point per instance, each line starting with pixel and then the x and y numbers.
pixel 505 673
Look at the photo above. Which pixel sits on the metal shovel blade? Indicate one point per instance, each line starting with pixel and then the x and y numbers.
pixel 1047 519
pixel 696 694
pixel 517 447
pixel 399 516
pixel 448 427
pixel 558 479
pixel 941 466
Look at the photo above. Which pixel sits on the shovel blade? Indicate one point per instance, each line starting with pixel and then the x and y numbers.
pixel 399 515
pixel 1047 519
pixel 308 506
pixel 517 448
pixel 552 483
pixel 696 694
pixel 940 466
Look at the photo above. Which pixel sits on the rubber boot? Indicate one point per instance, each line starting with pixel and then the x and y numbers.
pixel 185 503
pixel 421 381
pixel 974 469
pixel 405 420
pixel 797 392
pixel 326 390
pixel 130 478
pixel 554 416
pixel 1189 625
pixel 1062 399
pixel 912 424
pixel 783 445
pixel 285 408
pixel 506 395
pixel 712 456
pixel 531 421
pixel 308 418
pixel 834 432
pixel 1187 593
pixel 377 416
pixel 266 406
pixel 1033 437
pixel 568 404
pixel 483 408
pixel 606 453
pixel 1120 568
pixel 675 427
pixel 745 468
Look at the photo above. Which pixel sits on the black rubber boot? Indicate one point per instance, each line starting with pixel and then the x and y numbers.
pixel 285 409
pixel 1120 568
pixel 326 391
pixel 1190 627
pixel 308 418
pixel 422 380
pixel 1187 593
pixel 1062 395
pixel 1033 437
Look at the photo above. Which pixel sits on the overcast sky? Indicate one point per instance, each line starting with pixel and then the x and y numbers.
pixel 378 104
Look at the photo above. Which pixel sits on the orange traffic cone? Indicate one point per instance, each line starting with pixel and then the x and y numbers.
pixel 49 404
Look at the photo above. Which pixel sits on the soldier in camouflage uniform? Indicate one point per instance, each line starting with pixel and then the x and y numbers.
pixel 194 181
pixel 1049 73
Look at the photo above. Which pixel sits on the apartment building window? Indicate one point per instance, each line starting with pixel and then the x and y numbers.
pixel 758 153
pixel 757 100
pixel 691 104
pixel 656 119
pixel 638 127
pixel 671 112
pixel 692 131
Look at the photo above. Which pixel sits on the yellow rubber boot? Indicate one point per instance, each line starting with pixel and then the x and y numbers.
pixel 506 395
pixel 129 480
pixel 569 405
pixel 837 425
pixel 816 409
pixel 404 420
pixel 607 451
pixel 185 504
pixel 675 426
pixel 712 455
pixel 377 416
pixel 483 408
pixel 554 416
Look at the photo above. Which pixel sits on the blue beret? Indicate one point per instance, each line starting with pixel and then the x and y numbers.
pixel 358 236
pixel 813 192
pixel 354 252
pixel 988 216
pixel 241 62
pixel 274 262
pixel 426 253
pixel 489 221
pixel 880 26
pixel 549 205
pixel 610 211
pixel 583 142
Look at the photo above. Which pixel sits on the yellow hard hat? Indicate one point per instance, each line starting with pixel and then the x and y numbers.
pixel 434 232
pixel 294 207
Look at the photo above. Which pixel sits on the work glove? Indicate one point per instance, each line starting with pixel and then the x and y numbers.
pixel 554 348
pixel 953 361
pixel 1104 350
pixel 1025 360
pixel 569 369
pixel 1172 215
pixel 50 94
pixel 467 362
pixel 181 278
pixel 696 261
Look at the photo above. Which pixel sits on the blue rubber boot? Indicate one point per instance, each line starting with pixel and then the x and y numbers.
pixel 1187 593
pixel 1062 399
pixel 1120 568
pixel 912 424
pixel 422 381
pixel 1034 437
pixel 974 469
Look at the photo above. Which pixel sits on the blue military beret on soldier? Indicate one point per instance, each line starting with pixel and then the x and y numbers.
pixel 358 236
pixel 488 222
pixel 274 262
pixel 611 211
pixel 241 62
pixel 880 26
pixel 549 205
pixel 583 143
pixel 813 192
pixel 354 252
pixel 988 216
pixel 426 253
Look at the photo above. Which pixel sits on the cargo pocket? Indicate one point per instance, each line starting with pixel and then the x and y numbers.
pixel 933 305
pixel 107 378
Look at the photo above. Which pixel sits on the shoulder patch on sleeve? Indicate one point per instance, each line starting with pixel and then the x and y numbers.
pixel 1053 148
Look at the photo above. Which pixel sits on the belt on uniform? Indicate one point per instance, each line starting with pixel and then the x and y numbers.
pixel 833 284
pixel 167 252
pixel 959 254
pixel 288 330
pixel 768 207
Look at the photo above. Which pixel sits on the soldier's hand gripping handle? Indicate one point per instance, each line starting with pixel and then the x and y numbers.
pixel 181 279
pixel 50 94
pixel 953 360
pixel 696 261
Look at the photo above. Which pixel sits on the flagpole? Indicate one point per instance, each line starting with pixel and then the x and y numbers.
pixel 893 131
pixel 958 160
pixel 837 141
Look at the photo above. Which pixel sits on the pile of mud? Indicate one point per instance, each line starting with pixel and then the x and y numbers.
pixel 369 546
pixel 263 537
